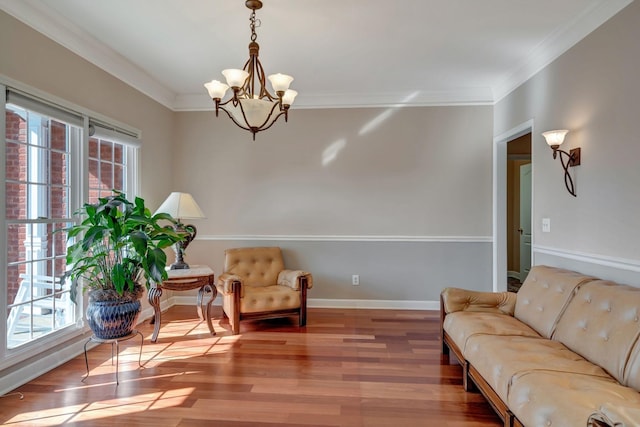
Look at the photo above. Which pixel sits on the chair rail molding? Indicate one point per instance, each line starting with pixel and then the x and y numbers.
pixel 603 260
pixel 351 238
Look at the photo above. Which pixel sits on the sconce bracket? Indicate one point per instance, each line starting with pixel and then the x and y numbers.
pixel 574 157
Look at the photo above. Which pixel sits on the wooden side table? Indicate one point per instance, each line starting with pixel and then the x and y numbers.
pixel 197 277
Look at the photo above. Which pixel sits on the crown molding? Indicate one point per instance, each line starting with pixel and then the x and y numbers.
pixel 46 21
pixel 59 29
pixel 472 96
pixel 557 43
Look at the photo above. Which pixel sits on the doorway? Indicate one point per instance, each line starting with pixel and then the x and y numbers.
pixel 518 215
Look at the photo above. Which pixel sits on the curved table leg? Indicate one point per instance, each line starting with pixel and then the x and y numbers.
pixel 205 313
pixel 154 299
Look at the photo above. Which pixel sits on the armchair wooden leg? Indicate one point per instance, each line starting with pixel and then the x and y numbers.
pixel 235 311
pixel 303 302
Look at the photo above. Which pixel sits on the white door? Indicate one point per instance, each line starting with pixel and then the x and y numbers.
pixel 525 221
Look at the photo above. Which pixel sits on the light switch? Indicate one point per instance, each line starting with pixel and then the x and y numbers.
pixel 546 225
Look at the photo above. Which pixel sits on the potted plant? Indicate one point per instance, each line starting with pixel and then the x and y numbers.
pixel 118 245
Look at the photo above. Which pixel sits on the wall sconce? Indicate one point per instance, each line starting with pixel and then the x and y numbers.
pixel 555 138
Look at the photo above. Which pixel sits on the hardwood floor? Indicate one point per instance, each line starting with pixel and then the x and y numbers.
pixel 346 368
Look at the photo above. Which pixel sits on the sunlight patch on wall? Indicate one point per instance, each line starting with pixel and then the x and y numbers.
pixel 331 152
pixel 384 116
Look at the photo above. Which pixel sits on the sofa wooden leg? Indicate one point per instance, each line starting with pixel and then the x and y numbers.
pixel 445 347
pixel 508 419
pixel 467 382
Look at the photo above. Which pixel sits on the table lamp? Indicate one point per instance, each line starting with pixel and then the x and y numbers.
pixel 181 206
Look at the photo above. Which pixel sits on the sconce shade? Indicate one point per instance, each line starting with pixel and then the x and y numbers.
pixel 181 206
pixel 555 137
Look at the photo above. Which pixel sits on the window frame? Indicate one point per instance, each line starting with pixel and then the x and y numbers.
pixel 78 193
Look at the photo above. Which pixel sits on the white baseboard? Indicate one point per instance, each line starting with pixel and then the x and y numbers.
pixel 327 303
pixel 29 372
pixel 381 304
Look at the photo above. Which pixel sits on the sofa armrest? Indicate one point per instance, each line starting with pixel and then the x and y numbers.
pixel 225 282
pixel 292 279
pixel 456 299
pixel 615 416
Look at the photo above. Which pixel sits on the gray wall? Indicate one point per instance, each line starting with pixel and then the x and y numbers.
pixel 592 90
pixel 33 59
pixel 410 188
pixel 400 196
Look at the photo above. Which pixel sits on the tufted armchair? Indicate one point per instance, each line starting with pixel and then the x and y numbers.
pixel 255 285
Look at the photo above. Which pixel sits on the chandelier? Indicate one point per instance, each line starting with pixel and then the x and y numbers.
pixel 252 107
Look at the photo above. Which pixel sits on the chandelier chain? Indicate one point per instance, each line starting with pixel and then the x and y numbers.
pixel 254 23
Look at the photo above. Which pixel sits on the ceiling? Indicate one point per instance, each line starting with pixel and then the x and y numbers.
pixel 342 53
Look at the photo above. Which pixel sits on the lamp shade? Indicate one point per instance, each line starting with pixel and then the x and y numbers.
pixel 289 96
pixel 555 137
pixel 181 206
pixel 216 89
pixel 280 82
pixel 235 77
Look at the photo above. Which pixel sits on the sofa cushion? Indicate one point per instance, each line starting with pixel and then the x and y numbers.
pixel 499 358
pixel 632 370
pixel 564 399
pixel 462 325
pixel 615 415
pixel 544 295
pixel 602 324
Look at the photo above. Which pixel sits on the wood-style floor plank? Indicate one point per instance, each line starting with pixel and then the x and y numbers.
pixel 345 368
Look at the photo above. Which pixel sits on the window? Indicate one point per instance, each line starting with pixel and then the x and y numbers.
pixel 45 182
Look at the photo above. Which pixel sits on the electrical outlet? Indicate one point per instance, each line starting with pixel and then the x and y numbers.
pixel 546 225
pixel 355 280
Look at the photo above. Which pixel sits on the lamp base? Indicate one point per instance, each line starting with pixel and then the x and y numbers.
pixel 179 266
pixel 189 233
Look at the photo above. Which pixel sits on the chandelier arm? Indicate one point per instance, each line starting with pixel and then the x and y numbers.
pixel 239 124
pixel 273 122
pixel 264 92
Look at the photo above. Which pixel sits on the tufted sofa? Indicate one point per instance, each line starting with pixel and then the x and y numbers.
pixel 563 351
pixel 255 285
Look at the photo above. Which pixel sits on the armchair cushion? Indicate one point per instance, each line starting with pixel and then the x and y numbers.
pixel 256 266
pixel 269 298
